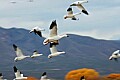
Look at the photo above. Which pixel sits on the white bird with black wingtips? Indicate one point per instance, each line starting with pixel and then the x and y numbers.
pixel 53 37
pixel 18 75
pixel 80 6
pixel 54 51
pixel 115 55
pixel 70 14
pixel 19 53
pixel 36 54
pixel 37 31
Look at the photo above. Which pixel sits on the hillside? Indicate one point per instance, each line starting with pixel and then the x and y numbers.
pixel 81 52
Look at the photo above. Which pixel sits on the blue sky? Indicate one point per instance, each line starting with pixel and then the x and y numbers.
pixel 102 23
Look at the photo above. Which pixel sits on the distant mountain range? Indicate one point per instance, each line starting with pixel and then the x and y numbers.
pixel 81 52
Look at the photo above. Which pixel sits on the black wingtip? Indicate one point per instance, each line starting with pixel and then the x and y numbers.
pixel 53 24
pixel 84 11
pixel 69 9
pixel 15 69
pixel 82 78
pixel 35 50
pixel 15 47
pixel 39 33
pixel 44 74
pixel 0 74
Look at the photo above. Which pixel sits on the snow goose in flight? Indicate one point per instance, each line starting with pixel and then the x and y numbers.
pixel 18 75
pixel 54 51
pixel 70 14
pixel 19 53
pixel 44 76
pixel 36 54
pixel 53 37
pixel 37 30
pixel 82 78
pixel 115 55
pixel 13 2
pixel 79 5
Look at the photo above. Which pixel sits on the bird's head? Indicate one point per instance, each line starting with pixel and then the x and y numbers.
pixel 65 17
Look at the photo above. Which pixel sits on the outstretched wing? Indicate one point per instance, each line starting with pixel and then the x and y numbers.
pixel 35 52
pixel 18 51
pixel 44 76
pixel 38 32
pixel 83 9
pixel 53 48
pixel 53 29
pixel 17 72
pixel 116 52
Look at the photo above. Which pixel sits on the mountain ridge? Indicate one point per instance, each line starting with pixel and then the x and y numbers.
pixel 81 51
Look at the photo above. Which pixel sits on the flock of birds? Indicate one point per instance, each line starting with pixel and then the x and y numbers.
pixel 53 40
pixel 20 76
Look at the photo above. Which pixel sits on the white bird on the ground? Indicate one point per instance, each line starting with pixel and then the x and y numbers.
pixel 115 55
pixel 37 30
pixel 44 76
pixel 18 75
pixel 19 53
pixel 53 37
pixel 70 14
pixel 82 78
pixel 54 51
pixel 36 54
pixel 80 6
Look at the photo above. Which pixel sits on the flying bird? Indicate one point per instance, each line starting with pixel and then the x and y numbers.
pixel 36 54
pixel 115 55
pixel 37 31
pixel 44 76
pixel 19 53
pixel 80 6
pixel 53 37
pixel 54 51
pixel 18 74
pixel 70 14
pixel 13 2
